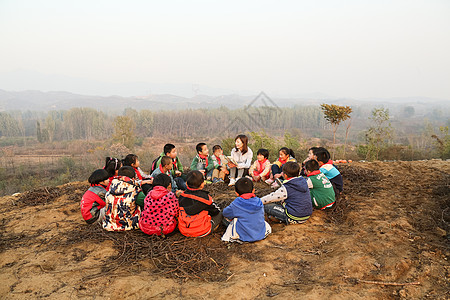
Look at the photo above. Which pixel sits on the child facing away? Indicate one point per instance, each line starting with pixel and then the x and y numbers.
pixel 164 168
pixel 122 213
pixel 112 166
pixel 330 171
pixel 177 170
pixel 160 208
pixel 291 203
pixel 243 156
pixel 246 213
pixel 285 155
pixel 260 170
pixel 203 162
pixel 220 165
pixel 93 202
pixel 199 215
pixel 321 189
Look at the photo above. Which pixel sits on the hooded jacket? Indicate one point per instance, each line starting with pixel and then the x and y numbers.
pixel 91 203
pixel 160 212
pixel 122 213
pixel 249 211
pixel 298 202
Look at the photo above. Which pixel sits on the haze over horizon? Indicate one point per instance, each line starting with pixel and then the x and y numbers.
pixel 356 49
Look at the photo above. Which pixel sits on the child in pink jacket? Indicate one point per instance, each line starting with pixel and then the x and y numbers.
pixel 160 208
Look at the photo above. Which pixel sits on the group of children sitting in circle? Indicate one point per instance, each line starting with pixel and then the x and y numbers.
pixel 123 197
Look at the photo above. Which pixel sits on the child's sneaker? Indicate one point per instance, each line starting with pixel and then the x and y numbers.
pixel 216 180
pixel 232 182
pixel 269 181
pixel 207 182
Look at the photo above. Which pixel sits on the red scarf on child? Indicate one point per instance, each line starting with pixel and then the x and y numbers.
pixel 205 157
pixel 283 161
pixel 247 196
pixel 138 173
pixel 174 162
pixel 329 162
pixel 218 159
pixel 261 165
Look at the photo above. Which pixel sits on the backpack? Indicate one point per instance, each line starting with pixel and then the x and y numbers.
pixel 154 163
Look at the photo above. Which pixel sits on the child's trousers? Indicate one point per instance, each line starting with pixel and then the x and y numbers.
pixel 218 174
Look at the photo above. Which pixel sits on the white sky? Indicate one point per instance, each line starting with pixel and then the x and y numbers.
pixel 395 48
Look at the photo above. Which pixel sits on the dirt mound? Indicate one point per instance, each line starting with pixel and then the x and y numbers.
pixel 387 238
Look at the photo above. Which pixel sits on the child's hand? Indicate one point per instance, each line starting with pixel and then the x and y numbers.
pixel 149 181
pixel 203 172
pixel 177 173
pixel 276 176
pixel 231 165
pixel 178 193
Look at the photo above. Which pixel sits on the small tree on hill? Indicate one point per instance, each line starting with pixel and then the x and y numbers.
pixel 335 115
pixel 378 135
pixel 124 127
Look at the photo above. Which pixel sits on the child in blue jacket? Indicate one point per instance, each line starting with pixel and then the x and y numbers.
pixel 247 215
pixel 291 203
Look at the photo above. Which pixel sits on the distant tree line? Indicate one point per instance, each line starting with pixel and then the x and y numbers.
pixel 89 124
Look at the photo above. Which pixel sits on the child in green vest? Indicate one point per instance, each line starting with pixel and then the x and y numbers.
pixel 320 188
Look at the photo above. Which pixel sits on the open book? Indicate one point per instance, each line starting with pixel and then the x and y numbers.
pixel 229 159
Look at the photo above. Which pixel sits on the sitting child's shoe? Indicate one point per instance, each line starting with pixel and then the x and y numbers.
pixel 215 180
pixel 220 180
pixel 232 182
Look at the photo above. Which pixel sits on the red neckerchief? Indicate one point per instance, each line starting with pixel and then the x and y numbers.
pixel 283 161
pixel 205 157
pixel 174 162
pixel 247 196
pixel 218 159
pixel 161 168
pixel 261 164
pixel 329 162
pixel 138 173
pixel 313 173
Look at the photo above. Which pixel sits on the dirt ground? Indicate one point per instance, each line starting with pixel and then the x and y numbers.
pixel 387 239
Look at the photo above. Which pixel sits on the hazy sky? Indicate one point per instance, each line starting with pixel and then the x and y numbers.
pixel 341 48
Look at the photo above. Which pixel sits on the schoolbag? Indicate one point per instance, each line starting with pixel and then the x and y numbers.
pixel 155 161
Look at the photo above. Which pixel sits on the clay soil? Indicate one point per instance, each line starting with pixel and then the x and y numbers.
pixel 386 239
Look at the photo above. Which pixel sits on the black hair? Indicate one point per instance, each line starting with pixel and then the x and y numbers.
pixel 321 149
pixel 162 180
pixel 291 169
pixel 243 186
pixel 112 164
pixel 199 147
pixel 216 147
pixel 323 155
pixel 98 176
pixel 127 171
pixel 312 165
pixel 287 151
pixel 129 159
pixel 263 152
pixel 168 148
pixel 313 149
pixel 166 160
pixel 194 179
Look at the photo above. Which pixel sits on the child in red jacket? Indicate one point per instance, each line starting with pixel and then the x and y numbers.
pixel 93 201
pixel 160 208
